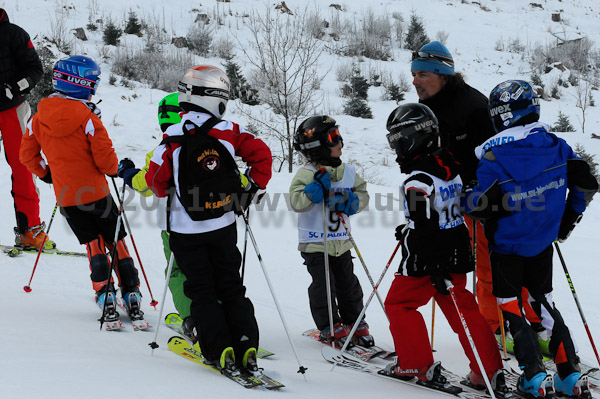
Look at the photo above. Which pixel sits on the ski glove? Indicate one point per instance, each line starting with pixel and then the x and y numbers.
pixel 438 275
pixel 127 171
pixel 12 90
pixel 400 231
pixel 567 223
pixel 316 190
pixel 346 202
pixel 48 177
pixel 250 190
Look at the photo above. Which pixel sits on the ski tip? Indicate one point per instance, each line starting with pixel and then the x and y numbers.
pixel 27 288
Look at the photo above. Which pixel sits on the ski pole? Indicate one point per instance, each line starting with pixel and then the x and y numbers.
pixel 245 246
pixel 327 276
pixel 587 329
pixel 468 333
pixel 502 331
pixel 301 368
pixel 364 310
pixel 153 344
pixel 27 288
pixel 432 321
pixel 114 253
pixel 362 261
pixel 153 301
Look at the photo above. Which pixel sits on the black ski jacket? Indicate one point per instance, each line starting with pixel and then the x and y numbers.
pixel 462 113
pixel 18 60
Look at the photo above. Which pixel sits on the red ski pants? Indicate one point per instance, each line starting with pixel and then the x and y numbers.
pixel 409 331
pixel 24 191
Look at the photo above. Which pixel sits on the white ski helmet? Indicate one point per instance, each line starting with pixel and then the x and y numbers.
pixel 204 86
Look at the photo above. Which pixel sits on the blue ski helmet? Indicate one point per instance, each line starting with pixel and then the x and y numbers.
pixel 513 103
pixel 76 76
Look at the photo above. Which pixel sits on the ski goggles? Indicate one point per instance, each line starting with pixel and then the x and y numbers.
pixel 424 56
pixel 333 137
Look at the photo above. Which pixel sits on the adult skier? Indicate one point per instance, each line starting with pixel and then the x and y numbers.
pixel 326 181
pixel 435 249
pixel 524 174
pixel 20 71
pixel 462 113
pixel 195 166
pixel 68 119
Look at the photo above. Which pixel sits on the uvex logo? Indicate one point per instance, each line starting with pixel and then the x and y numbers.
pixel 500 109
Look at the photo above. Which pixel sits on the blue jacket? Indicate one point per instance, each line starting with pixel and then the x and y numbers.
pixel 526 176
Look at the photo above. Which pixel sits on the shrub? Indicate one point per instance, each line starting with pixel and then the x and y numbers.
pixel 416 36
pixel 133 27
pixel 199 38
pixel 160 70
pixel 44 87
pixel 358 107
pixel 563 124
pixel 111 34
pixel 238 86
pixel 357 87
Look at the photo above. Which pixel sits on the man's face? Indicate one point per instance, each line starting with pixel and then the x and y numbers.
pixel 427 83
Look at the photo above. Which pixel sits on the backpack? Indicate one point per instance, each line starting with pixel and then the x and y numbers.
pixel 209 179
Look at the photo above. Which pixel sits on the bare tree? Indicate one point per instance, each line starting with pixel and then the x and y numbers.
pixel 284 57
pixel 583 90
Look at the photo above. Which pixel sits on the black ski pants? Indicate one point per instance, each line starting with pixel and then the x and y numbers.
pixel 509 274
pixel 346 292
pixel 223 316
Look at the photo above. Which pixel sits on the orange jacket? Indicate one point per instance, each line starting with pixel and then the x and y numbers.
pixel 76 147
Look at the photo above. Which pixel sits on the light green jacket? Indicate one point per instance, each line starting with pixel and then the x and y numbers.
pixel 300 203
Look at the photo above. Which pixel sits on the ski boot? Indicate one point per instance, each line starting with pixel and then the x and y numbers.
pixel 497 381
pixel 538 386
pixel 430 377
pixel 108 304
pixel 340 334
pixel 249 362
pixel 575 385
pixel 34 237
pixel 362 337
pixel 189 329
pixel 132 301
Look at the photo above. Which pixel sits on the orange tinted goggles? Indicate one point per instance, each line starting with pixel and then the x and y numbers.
pixel 333 138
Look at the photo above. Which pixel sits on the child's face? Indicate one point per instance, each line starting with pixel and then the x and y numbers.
pixel 336 151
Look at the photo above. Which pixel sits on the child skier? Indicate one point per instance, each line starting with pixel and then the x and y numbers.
pixel 168 115
pixel 78 153
pixel 326 181
pixel 194 166
pixel 524 175
pixel 435 248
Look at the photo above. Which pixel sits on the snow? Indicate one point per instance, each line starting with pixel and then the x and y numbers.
pixel 51 345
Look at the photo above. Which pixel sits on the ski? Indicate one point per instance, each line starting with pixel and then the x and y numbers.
pixel 137 319
pixel 183 348
pixel 175 323
pixel 17 250
pixel 112 320
pixel 351 362
pixel 361 352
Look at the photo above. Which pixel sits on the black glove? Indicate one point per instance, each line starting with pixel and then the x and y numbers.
pixel 15 89
pixel 567 223
pixel 124 165
pixel 438 275
pixel 399 230
pixel 245 198
pixel 48 177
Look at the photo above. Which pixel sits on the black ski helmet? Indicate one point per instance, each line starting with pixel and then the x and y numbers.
pixel 314 138
pixel 413 131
